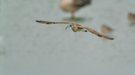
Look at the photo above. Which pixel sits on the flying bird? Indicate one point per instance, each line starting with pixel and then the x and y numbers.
pixel 77 27
pixel 73 5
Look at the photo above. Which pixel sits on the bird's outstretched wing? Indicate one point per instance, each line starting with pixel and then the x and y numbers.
pixel 50 22
pixel 97 33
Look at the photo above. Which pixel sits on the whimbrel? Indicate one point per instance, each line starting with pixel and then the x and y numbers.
pixel 77 27
pixel 73 5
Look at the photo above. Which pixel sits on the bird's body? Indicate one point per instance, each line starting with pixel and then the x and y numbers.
pixel 73 5
pixel 77 28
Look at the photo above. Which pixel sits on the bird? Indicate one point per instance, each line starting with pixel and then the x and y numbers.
pixel 77 27
pixel 105 29
pixel 131 17
pixel 73 5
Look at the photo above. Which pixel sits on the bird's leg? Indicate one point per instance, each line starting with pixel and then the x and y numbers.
pixel 73 15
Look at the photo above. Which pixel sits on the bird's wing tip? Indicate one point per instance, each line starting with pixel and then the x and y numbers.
pixel 39 21
pixel 111 38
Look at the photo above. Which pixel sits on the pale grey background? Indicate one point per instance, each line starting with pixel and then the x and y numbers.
pixel 29 48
